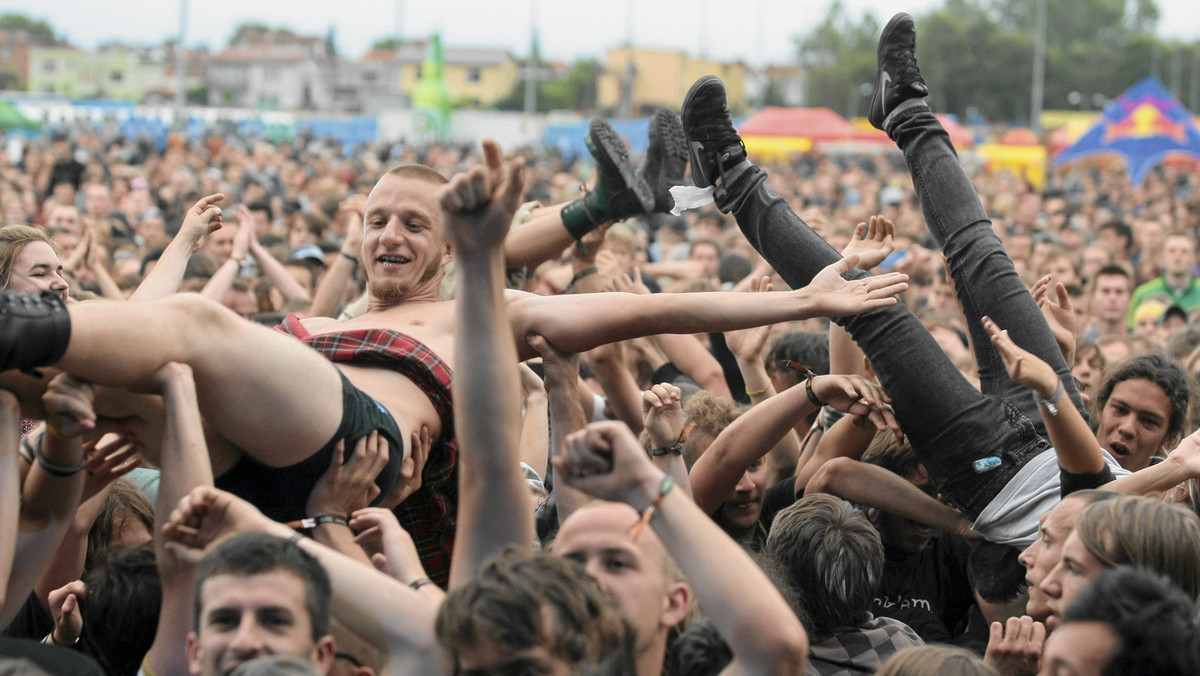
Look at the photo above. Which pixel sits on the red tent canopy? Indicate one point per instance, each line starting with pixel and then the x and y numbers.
pixel 959 135
pixel 818 124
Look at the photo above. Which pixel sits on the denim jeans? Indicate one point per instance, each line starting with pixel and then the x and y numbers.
pixel 950 424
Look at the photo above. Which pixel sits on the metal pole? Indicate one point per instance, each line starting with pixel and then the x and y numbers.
pixel 181 63
pixel 1194 90
pixel 1039 70
pixel 531 67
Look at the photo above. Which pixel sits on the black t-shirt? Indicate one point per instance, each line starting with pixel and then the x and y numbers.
pixel 927 590
pixel 31 621
pixel 53 659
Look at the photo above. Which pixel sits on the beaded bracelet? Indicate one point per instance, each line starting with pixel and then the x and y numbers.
pixel 644 517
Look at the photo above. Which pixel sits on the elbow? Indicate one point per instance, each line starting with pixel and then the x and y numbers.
pixel 781 649
pixel 830 476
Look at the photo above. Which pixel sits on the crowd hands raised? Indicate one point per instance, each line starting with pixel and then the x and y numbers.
pixel 659 456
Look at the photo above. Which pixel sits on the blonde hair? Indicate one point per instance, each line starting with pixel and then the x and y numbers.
pixel 13 239
pixel 1145 533
pixel 935 660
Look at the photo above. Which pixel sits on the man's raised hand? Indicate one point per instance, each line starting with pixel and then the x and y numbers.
pixel 203 218
pixel 479 204
pixel 872 241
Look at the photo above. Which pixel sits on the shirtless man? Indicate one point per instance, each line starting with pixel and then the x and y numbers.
pixel 273 398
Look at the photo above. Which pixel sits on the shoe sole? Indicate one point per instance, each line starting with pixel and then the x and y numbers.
pixel 608 149
pixel 666 157
pixel 696 147
pixel 880 74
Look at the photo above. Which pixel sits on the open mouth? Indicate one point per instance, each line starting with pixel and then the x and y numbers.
pixel 1118 450
pixel 388 261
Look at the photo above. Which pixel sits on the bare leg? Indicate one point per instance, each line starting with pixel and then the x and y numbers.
pixel 264 391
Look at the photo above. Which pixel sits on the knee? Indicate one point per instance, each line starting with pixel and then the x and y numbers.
pixel 197 313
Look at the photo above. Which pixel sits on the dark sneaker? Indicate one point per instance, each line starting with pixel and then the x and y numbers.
pixel 619 192
pixel 34 329
pixel 666 158
pixel 713 144
pixel 898 80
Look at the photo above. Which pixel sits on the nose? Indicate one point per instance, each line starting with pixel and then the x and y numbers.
pixel 392 232
pixel 247 641
pixel 1026 558
pixel 57 283
pixel 1051 585
pixel 745 484
pixel 1126 427
pixel 593 568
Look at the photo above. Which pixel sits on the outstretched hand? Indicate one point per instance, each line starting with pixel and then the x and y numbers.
pixel 832 296
pixel 1024 367
pixel 479 204
pixel 872 241
pixel 1058 313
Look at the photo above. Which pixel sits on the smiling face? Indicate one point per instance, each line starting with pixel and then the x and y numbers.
pixel 248 616
pixel 404 247
pixel 37 268
pixel 740 512
pixel 1134 422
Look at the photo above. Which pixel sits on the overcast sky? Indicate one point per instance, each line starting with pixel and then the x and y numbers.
pixel 756 31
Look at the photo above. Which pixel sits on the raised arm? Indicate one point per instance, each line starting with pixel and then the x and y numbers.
pixel 606 461
pixel 52 487
pixel 331 290
pixel 663 421
pixel 1182 464
pixel 746 440
pixel 271 268
pixel 874 486
pixel 566 415
pixel 393 617
pixel 222 279
pixel 203 218
pixel 1074 442
pixel 185 465
pixel 493 510
pixel 10 489
pixel 575 324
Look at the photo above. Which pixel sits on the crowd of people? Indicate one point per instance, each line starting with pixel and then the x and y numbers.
pixel 276 409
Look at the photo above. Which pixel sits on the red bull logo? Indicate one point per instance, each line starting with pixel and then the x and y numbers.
pixel 1146 120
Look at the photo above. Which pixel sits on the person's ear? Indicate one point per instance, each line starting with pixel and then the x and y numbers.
pixel 676 604
pixel 192 647
pixel 324 653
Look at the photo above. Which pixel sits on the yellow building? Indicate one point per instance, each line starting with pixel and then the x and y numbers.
pixel 479 77
pixel 662 77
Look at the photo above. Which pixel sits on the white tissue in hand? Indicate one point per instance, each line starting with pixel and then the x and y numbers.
pixel 690 197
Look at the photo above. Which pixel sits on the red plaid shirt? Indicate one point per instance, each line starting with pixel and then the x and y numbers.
pixel 429 515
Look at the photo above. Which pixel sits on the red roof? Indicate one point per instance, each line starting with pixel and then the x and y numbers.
pixel 818 124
